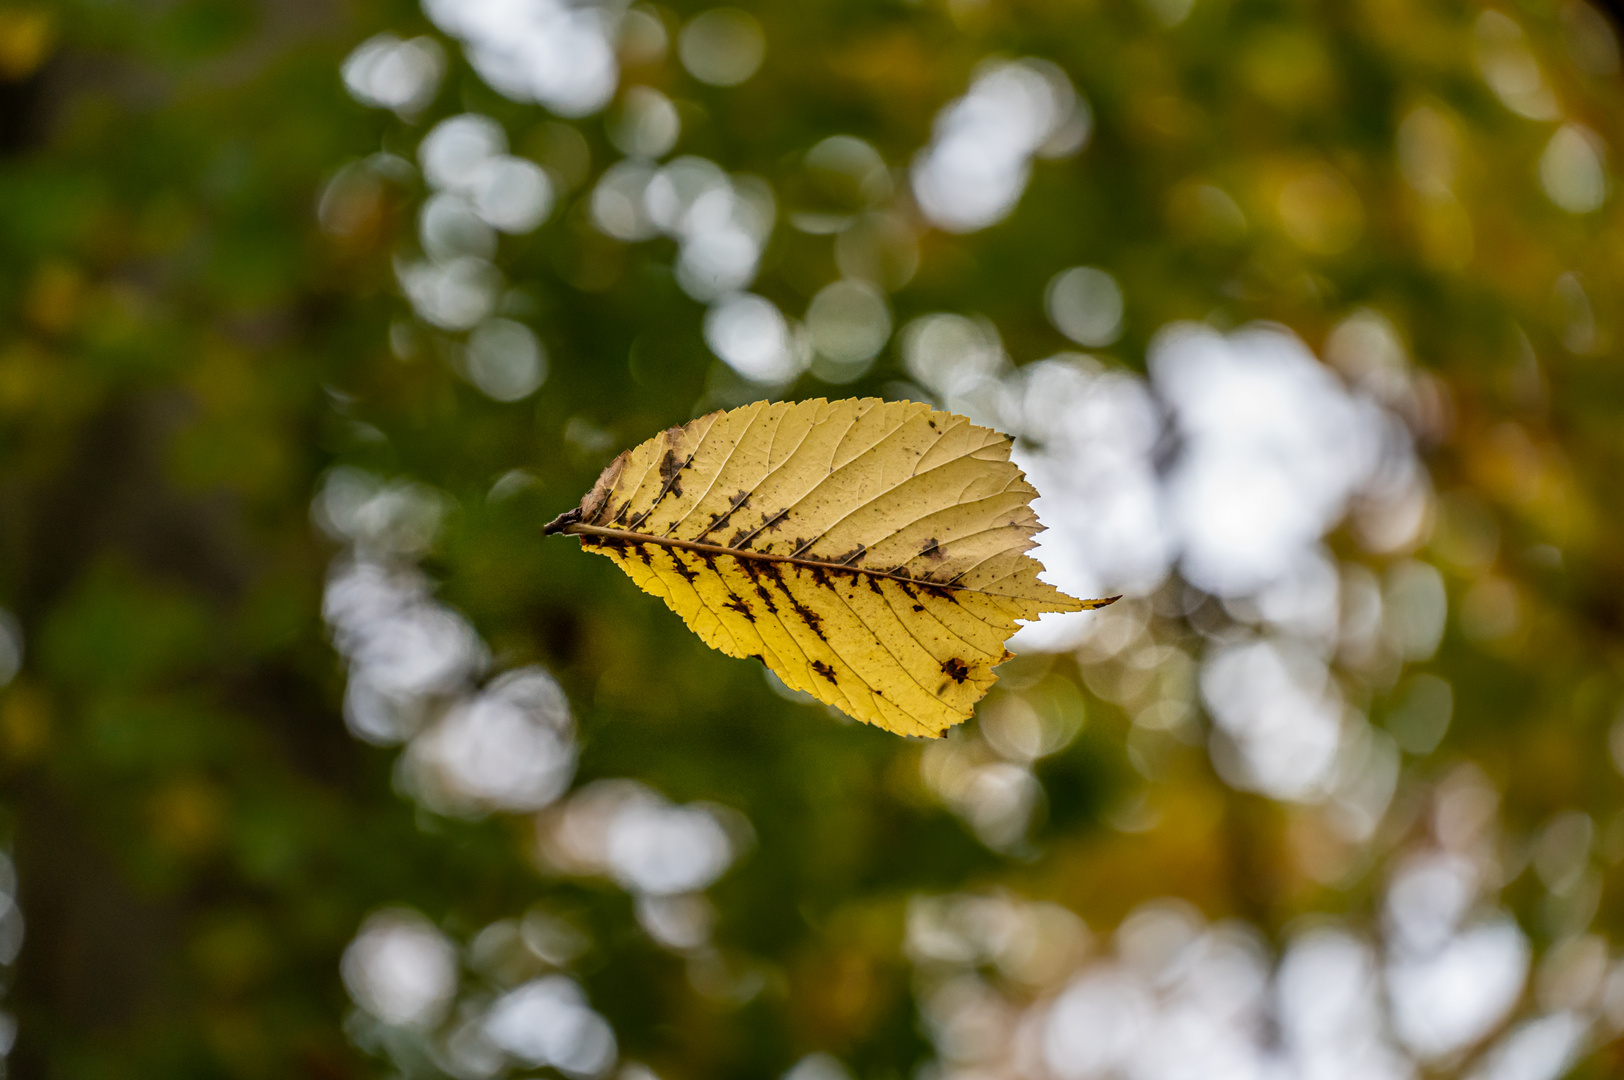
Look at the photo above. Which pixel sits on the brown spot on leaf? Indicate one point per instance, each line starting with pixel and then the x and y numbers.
pixel 670 466
pixel 824 669
pixel 754 571
pixel 810 617
pixel 932 549
pixel 738 604
pixel 955 669
pixel 740 498
pixel 807 615
pixel 849 557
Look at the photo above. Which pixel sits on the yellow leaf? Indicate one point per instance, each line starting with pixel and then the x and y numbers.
pixel 872 553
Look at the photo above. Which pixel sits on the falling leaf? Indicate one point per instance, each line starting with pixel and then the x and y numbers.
pixel 871 553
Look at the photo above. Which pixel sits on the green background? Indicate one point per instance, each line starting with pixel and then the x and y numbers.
pixel 185 351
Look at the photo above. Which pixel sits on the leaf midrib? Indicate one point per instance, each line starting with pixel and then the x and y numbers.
pixel 581 529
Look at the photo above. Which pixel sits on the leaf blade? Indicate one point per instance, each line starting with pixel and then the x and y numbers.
pixel 871 553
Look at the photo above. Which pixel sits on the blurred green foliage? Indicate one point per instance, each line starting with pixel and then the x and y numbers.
pixel 185 350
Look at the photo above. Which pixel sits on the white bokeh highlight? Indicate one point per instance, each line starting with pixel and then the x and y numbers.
pixel 509 747
pixel 1273 447
pixel 1085 304
pixel 401 969
pixel 1573 169
pixel 627 831
pixel 505 360
pixel 547 1022
pixel 722 46
pixel 982 145
pixel 558 55
pixel 388 73
pixel 752 337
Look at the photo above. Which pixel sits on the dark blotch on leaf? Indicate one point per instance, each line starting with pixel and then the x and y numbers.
pixel 671 474
pixel 688 574
pixel 754 571
pixel 849 557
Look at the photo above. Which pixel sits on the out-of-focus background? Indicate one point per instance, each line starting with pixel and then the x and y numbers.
pixel 316 760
